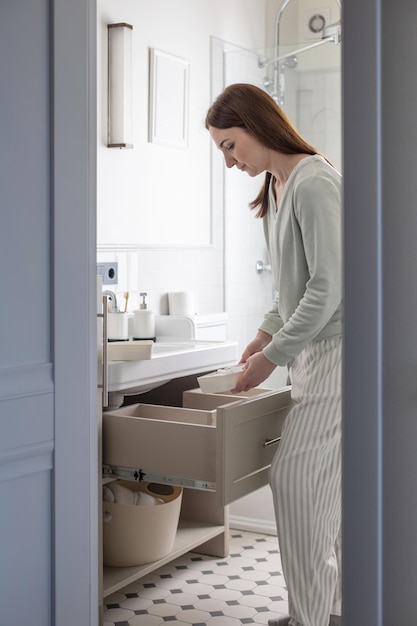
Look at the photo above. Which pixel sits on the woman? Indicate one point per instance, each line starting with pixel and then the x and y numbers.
pixel 300 205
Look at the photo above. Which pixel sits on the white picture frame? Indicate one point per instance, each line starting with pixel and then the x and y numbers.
pixel 168 99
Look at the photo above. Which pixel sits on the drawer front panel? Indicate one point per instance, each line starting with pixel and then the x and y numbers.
pixel 243 428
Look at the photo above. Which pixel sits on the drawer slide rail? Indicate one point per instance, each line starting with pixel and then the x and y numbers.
pixel 138 475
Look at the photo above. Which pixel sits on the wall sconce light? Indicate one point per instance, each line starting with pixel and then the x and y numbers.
pixel 119 86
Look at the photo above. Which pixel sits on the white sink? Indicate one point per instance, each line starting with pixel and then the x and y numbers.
pixel 170 359
pixel 162 348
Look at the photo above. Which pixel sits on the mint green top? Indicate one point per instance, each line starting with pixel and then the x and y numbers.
pixel 303 237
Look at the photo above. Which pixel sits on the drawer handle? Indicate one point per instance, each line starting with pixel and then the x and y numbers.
pixel 270 442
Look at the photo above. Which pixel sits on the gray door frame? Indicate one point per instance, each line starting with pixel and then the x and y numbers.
pixel 380 347
pixel 74 312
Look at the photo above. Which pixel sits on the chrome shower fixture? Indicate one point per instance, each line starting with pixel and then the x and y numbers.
pixel 275 85
pixel 333 31
pixel 291 61
pixel 292 56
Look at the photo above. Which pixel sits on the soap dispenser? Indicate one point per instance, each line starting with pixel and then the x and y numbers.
pixel 144 321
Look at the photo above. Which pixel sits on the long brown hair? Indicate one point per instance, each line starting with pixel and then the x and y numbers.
pixel 246 106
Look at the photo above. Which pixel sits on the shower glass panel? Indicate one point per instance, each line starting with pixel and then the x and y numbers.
pixel 306 83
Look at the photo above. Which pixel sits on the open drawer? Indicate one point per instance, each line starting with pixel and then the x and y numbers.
pixel 223 443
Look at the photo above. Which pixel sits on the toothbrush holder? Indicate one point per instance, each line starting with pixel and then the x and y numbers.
pixel 117 326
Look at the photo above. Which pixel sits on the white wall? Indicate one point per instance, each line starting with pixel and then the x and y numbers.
pixel 181 28
pixel 123 174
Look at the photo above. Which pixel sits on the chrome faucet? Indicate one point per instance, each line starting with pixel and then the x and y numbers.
pixel 113 300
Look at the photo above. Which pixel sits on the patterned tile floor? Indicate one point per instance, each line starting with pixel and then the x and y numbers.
pixel 247 587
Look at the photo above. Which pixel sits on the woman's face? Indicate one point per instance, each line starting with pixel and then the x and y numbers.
pixel 241 149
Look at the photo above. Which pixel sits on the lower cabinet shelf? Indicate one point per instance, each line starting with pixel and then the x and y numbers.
pixel 190 535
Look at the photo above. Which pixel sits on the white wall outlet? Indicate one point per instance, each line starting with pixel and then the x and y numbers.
pixel 314 21
pixel 108 272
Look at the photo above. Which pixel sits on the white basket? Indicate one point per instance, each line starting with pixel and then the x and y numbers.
pixel 137 534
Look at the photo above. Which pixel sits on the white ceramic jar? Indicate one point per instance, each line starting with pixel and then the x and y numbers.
pixel 117 326
pixel 143 324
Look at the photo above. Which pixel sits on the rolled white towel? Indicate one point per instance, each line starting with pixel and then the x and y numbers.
pixel 108 495
pixel 147 500
pixel 122 495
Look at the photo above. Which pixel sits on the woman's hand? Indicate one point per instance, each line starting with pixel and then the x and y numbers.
pixel 257 367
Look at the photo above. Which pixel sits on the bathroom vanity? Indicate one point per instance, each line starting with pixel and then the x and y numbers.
pixel 217 447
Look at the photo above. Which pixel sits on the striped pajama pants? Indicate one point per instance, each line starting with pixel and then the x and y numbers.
pixel 305 479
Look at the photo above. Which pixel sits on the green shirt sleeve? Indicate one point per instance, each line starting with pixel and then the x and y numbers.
pixel 307 307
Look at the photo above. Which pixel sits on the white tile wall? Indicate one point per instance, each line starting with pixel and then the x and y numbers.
pixel 158 271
